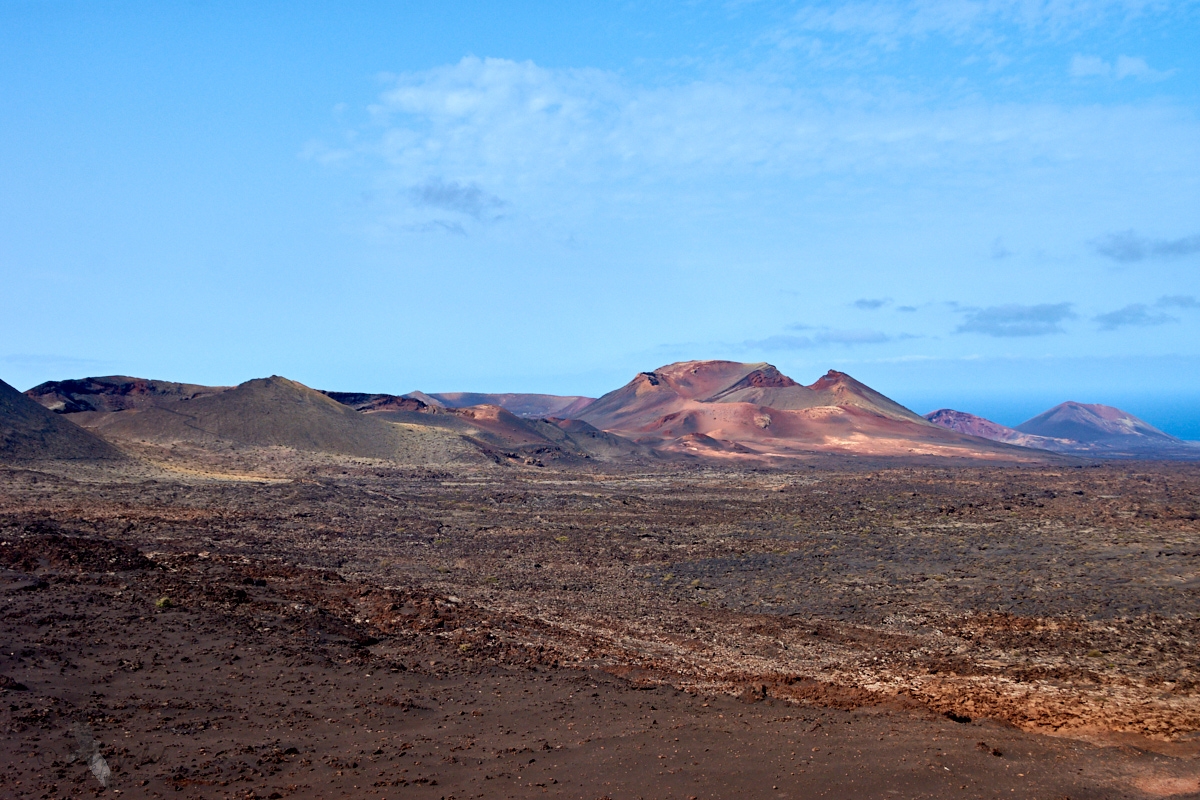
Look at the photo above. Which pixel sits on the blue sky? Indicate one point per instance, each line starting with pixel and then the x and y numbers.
pixel 987 205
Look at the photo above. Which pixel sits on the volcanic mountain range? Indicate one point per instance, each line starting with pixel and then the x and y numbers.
pixel 731 409
pixel 721 410
pixel 279 413
pixel 963 422
pixel 1080 428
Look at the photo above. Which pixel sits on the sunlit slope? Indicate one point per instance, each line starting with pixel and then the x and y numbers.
pixel 735 410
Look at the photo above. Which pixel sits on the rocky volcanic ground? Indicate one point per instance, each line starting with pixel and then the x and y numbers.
pixel 345 627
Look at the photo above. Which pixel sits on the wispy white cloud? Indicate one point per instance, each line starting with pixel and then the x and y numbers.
pixel 1125 67
pixel 887 23
pixel 1089 67
pixel 819 338
pixel 1130 67
pixel 561 137
pixel 322 153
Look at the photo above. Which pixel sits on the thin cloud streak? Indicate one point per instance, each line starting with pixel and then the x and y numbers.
pixel 1127 247
pixel 865 304
pixel 436 226
pixel 1124 67
pixel 1142 315
pixel 887 23
pixel 1178 301
pixel 822 338
pixel 468 198
pixel 1014 320
pixel 1136 314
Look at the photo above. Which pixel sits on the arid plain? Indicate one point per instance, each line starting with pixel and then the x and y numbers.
pixel 200 619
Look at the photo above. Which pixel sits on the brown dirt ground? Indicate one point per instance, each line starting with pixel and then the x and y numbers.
pixel 361 630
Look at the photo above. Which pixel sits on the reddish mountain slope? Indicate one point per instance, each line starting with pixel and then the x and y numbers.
pixel 1078 429
pixel 978 426
pixel 839 389
pixel 734 410
pixel 767 386
pixel 667 390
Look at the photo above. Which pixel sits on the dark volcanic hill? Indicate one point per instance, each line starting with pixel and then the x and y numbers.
pixel 114 393
pixel 267 412
pixel 736 410
pixel 499 432
pixel 29 432
pixel 277 412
